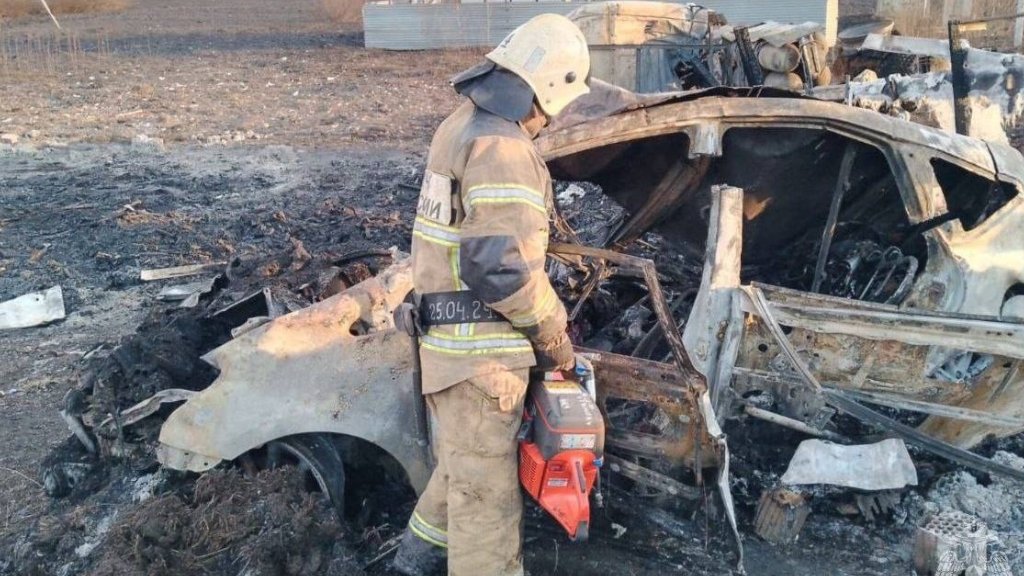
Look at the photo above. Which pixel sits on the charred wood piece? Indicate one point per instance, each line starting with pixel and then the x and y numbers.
pixel 751 67
pixel 781 514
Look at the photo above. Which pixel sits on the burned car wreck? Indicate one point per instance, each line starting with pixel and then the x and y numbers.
pixel 770 257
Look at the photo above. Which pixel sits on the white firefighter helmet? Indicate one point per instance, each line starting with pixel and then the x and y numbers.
pixel 550 54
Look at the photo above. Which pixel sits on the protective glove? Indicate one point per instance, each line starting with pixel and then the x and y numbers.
pixel 555 355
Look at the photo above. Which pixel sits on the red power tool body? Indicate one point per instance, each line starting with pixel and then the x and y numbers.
pixel 561 449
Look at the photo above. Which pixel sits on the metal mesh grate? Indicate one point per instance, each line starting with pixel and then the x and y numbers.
pixel 956 525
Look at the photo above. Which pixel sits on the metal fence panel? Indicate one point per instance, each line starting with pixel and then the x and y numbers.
pixel 433 26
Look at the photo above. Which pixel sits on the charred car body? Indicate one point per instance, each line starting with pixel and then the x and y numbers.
pixel 779 257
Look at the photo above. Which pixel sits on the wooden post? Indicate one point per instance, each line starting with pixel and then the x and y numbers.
pixel 781 514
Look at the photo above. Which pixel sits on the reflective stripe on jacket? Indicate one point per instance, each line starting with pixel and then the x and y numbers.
pixel 482 225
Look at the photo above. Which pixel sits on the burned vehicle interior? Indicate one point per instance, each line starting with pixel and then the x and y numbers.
pixel 823 212
pixel 789 177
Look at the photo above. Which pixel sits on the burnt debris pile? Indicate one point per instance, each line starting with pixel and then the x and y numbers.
pixel 225 520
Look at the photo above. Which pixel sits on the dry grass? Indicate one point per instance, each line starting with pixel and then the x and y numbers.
pixel 928 19
pixel 344 11
pixel 52 50
pixel 18 8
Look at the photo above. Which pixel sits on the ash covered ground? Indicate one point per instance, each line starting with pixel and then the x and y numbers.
pixel 257 134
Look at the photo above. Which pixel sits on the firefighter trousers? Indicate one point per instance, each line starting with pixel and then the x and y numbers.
pixel 472 504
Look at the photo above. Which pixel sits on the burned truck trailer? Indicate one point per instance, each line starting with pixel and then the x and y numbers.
pixel 772 257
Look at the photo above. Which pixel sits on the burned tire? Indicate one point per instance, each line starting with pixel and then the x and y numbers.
pixel 318 456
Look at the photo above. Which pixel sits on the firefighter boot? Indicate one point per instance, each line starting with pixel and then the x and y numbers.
pixel 417 557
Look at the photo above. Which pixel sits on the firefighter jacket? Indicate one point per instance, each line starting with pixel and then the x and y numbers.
pixel 482 226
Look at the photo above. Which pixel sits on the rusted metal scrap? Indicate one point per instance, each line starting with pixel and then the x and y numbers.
pixel 839 400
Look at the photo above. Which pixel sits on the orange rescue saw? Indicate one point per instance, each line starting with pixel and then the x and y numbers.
pixel 561 448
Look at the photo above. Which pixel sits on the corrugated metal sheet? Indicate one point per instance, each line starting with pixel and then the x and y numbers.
pixel 426 26
pixel 431 26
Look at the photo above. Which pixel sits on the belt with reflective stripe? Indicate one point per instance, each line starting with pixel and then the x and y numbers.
pixel 500 343
pixel 456 307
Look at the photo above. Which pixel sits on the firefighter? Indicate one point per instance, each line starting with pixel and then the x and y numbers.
pixel 487 312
